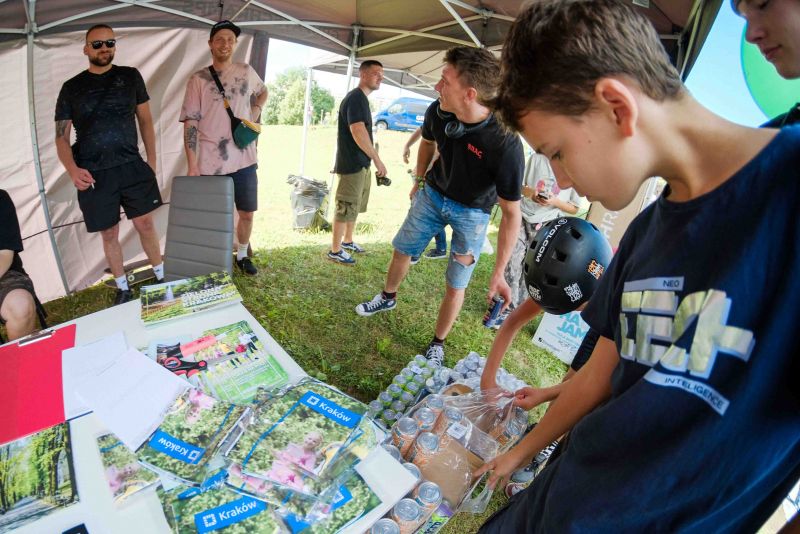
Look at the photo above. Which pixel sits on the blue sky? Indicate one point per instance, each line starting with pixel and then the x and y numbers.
pixel 716 80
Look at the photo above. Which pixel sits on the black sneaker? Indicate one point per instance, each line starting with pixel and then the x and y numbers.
pixel 414 260
pixel 435 254
pixel 246 266
pixel 435 354
pixel 123 296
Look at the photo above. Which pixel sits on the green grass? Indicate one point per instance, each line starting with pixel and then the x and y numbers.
pixel 306 302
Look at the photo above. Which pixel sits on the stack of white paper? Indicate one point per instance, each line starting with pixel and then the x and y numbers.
pixel 81 363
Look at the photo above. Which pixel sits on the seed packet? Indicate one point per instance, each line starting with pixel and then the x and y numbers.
pixel 189 435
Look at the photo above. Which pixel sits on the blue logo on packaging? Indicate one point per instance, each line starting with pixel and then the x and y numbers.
pixel 331 410
pixel 228 514
pixel 175 448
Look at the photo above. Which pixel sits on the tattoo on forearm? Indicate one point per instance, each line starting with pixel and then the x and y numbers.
pixel 61 128
pixel 191 138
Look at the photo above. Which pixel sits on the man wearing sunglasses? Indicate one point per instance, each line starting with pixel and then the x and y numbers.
pixel 104 103
pixel 207 136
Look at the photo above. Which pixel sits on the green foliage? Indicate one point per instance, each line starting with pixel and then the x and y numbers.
pixel 184 511
pixel 287 98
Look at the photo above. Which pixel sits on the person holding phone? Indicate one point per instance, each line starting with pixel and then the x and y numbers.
pixel 542 201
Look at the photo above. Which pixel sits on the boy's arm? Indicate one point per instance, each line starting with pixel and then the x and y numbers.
pixel 586 390
pixel 508 330
pixel 425 153
pixel 506 236
pixel 148 132
pixel 190 146
pixel 411 140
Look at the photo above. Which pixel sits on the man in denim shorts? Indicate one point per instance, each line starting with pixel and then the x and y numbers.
pixel 104 103
pixel 479 165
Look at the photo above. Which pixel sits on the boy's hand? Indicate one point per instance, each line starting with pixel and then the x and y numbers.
pixel 528 398
pixel 500 468
pixel 406 153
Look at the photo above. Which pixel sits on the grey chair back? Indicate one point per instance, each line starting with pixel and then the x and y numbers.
pixel 200 227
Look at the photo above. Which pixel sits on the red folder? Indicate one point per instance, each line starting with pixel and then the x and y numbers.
pixel 31 389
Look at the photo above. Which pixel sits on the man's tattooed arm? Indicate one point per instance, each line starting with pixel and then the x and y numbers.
pixel 191 138
pixel 62 128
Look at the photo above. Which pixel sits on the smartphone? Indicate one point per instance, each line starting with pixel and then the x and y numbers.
pixel 542 196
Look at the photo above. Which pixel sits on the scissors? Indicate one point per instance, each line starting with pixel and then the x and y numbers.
pixel 183 367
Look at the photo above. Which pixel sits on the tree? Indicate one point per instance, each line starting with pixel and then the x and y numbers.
pixel 287 97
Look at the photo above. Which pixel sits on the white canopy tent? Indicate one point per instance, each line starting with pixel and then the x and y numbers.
pixel 40 48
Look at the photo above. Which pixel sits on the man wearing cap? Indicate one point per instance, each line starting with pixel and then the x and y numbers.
pixel 104 103
pixel 208 139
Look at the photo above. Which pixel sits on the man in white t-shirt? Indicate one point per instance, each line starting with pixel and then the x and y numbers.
pixel 208 139
pixel 542 201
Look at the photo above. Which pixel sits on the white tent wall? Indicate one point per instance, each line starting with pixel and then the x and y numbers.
pixel 166 58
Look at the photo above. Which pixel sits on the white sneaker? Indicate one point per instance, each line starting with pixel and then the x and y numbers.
pixel 435 354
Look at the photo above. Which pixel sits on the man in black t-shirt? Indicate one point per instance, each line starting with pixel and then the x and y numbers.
pixel 479 165
pixel 17 307
pixel 104 103
pixel 354 152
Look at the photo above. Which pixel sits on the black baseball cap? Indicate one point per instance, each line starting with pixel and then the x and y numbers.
pixel 225 25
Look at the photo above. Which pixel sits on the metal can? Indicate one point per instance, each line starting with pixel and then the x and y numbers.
pixel 391 449
pixel 428 496
pixel 413 388
pixel 400 380
pixel 407 514
pixel 493 312
pixel 374 408
pixel 449 416
pixel 385 399
pixel 408 373
pixel 471 365
pixel 407 398
pixel 421 360
pixel 511 432
pixel 394 390
pixel 420 379
pixel 435 403
pixel 427 372
pixel 398 406
pixel 425 418
pixel 385 526
pixel 404 433
pixel 413 469
pixel 426 445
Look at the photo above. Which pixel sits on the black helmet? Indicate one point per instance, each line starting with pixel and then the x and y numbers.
pixel 564 264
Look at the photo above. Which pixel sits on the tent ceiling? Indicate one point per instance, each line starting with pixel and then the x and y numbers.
pixel 384 27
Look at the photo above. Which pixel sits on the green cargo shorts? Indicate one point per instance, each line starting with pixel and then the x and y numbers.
pixel 352 195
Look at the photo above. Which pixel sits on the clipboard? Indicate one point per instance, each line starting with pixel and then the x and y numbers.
pixel 31 388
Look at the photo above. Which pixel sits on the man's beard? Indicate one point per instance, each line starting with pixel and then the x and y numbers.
pixel 101 61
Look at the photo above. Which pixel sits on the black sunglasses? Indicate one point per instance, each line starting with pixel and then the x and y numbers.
pixel 97 45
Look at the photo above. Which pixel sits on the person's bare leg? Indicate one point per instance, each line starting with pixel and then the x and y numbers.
pixel 348 231
pixel 19 312
pixel 452 302
pixel 339 228
pixel 398 269
pixel 245 226
pixel 113 250
pixel 148 237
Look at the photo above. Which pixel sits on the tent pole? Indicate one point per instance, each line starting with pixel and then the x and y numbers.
pixel 351 61
pixel 306 120
pixel 37 164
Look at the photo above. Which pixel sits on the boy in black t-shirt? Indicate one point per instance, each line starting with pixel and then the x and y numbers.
pixel 17 305
pixel 686 415
pixel 479 165
pixel 103 103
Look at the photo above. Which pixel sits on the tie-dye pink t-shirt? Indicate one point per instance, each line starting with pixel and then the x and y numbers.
pixel 216 152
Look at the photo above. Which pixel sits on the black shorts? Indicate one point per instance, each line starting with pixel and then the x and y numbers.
pixel 132 186
pixel 14 280
pixel 245 188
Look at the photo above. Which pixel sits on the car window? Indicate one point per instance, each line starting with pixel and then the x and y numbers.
pixel 395 109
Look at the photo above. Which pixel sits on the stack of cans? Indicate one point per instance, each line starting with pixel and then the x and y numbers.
pixel 406 388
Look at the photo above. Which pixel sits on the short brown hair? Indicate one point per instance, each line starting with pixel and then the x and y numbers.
pixel 557 50
pixel 476 67
pixel 369 63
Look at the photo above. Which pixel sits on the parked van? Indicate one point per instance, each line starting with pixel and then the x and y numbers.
pixel 403 114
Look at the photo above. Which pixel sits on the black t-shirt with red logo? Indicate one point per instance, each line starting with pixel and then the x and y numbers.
pixel 477 168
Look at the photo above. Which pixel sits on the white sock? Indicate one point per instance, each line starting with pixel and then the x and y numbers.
pixel 122 282
pixel 242 252
pixel 159 270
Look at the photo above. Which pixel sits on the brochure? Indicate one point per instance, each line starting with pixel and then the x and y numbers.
pixel 180 298
pixel 125 475
pixel 189 435
pixel 295 439
pixel 36 477
pixel 244 364
pixel 217 509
